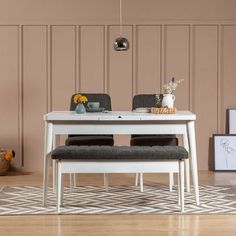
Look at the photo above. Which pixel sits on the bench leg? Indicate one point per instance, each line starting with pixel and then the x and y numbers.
pixel 181 184
pixel 45 180
pixel 59 185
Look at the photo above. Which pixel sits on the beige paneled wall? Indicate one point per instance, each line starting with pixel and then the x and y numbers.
pixel 10 100
pixel 176 60
pixel 63 64
pixel 50 51
pixel 148 49
pixel 92 66
pixel 34 102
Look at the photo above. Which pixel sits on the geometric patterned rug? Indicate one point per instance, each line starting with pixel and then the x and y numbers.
pixel 156 199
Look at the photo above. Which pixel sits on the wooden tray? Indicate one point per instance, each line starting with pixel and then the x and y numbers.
pixel 163 110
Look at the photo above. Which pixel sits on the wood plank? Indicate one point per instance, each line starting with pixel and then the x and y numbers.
pixel 63 66
pixel 48 225
pixel 148 59
pixel 176 62
pixel 92 59
pixel 9 95
pixel 205 88
pixel 34 94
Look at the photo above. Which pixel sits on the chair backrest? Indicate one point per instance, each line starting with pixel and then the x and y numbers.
pixel 104 99
pixel 146 100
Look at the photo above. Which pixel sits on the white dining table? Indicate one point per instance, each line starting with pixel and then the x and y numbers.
pixel 119 123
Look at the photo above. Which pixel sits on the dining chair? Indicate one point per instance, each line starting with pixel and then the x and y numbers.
pixel 79 140
pixel 105 102
pixel 148 101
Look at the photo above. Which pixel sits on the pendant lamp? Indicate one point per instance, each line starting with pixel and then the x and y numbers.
pixel 121 43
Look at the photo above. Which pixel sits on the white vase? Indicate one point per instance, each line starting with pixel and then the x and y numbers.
pixel 168 100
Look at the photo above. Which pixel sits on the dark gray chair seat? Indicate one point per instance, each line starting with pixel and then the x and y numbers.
pixel 149 100
pixel 105 102
pixel 119 153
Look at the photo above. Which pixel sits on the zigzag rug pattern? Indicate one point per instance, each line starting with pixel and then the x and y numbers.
pixel 27 200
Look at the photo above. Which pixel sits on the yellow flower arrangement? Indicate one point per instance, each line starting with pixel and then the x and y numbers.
pixel 7 154
pixel 78 98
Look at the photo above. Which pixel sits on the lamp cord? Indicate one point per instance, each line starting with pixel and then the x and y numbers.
pixel 120 18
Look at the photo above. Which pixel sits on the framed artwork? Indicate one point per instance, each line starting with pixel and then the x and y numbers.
pixel 231 114
pixel 224 152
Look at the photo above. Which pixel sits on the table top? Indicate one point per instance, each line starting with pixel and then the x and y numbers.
pixel 118 116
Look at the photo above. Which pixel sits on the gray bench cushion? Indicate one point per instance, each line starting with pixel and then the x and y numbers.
pixel 120 153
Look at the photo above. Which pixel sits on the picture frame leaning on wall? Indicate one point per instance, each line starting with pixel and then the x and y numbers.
pixel 224 152
pixel 231 120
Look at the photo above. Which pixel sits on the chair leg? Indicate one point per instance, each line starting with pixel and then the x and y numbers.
pixel 141 182
pixel 105 177
pixel 136 179
pixel 181 186
pixel 171 181
pixel 74 180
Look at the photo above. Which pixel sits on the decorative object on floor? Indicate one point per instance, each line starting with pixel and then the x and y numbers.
pixel 231 115
pixel 156 199
pixel 121 43
pixel 80 99
pixel 163 110
pixel 224 152
pixel 168 97
pixel 5 159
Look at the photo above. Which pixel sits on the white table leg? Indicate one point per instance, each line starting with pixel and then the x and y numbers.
pixel 193 158
pixel 181 184
pixel 186 162
pixel 59 185
pixel 56 142
pixel 47 149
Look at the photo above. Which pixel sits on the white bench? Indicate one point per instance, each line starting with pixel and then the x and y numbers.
pixel 118 159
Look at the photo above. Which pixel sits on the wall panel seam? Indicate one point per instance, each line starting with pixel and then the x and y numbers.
pixel 219 78
pixel 79 57
pixel 108 60
pixel 191 56
pixel 163 57
pixel 104 59
pixel 49 68
pixel 76 58
pixel 134 60
pixel 20 94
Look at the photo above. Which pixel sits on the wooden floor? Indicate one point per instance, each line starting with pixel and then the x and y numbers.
pixel 104 225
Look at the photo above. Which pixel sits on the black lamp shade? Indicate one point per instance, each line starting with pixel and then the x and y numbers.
pixel 121 44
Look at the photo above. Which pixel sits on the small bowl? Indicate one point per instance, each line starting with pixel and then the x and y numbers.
pixel 93 105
